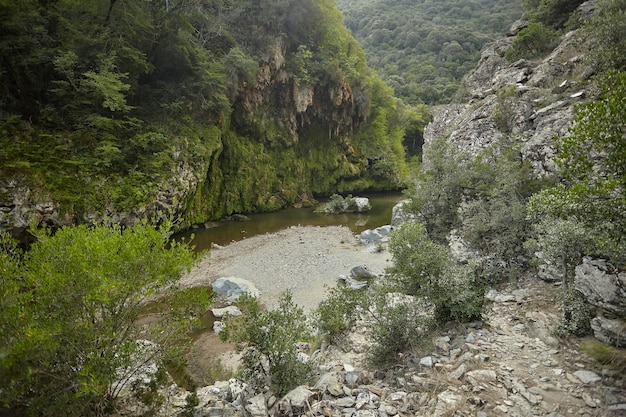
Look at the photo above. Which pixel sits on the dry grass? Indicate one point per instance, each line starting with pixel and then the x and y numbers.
pixel 610 356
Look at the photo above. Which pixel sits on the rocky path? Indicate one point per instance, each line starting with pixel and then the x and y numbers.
pixel 508 365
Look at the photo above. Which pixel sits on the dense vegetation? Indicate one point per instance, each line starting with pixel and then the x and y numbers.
pixel 70 340
pixel 107 105
pixel 423 48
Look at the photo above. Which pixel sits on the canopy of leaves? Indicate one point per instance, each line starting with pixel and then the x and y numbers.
pixel 69 316
pixel 423 48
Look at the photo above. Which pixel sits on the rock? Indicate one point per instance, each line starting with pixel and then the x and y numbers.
pixel 218 326
pixel 338 204
pixel 447 402
pixel 230 311
pixel 427 362
pixel 232 288
pixel 331 382
pixel 480 376
pixel 256 406
pixel 297 401
pixel 400 215
pixel 368 237
pixel 601 285
pixel 587 377
pixel 362 204
pixel 361 273
pixel 609 331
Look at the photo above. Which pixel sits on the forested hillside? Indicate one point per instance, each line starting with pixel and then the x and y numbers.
pixel 422 48
pixel 204 108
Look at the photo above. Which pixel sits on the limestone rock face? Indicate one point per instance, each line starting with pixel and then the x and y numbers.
pixel 524 102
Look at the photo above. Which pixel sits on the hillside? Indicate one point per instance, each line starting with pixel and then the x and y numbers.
pixel 131 110
pixel 424 48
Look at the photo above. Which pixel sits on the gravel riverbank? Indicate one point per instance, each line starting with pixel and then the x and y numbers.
pixel 301 259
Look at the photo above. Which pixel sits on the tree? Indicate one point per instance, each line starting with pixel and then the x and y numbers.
pixel 70 339
pixel 592 162
pixel 562 242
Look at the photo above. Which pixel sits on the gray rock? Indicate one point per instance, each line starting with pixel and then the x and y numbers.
pixel 601 286
pixel 232 288
pixel 256 406
pixel 609 331
pixel 231 311
pixel 368 237
pixel 400 215
pixel 361 273
pixel 587 377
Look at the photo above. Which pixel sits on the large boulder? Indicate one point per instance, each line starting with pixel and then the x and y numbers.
pixel 604 287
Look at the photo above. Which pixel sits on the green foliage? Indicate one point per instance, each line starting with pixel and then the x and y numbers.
pixel 591 160
pixel 70 339
pixel 423 49
pixel 610 356
pixel 339 311
pixel 577 315
pixel 562 242
pixel 438 189
pixel 107 103
pixel 607 34
pixel 503 114
pixel 269 341
pixel 398 326
pixel 423 268
pixel 533 41
pixel 550 13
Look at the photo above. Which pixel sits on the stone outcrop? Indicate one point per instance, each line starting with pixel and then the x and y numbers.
pixel 604 287
pixel 525 101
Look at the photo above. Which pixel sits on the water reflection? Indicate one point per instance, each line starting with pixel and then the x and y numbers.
pixel 225 232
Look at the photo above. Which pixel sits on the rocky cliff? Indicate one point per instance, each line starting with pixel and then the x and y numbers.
pixel 238 108
pixel 528 102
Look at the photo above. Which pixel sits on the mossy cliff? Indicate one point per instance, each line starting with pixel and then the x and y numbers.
pixel 199 109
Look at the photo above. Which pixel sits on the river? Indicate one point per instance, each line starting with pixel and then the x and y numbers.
pixel 227 231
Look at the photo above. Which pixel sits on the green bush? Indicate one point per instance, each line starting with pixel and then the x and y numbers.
pixel 423 268
pixel 69 317
pixel 269 342
pixel 339 311
pixel 398 326
pixel 532 42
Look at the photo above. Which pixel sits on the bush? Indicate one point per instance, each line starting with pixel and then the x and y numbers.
pixel 269 342
pixel 339 312
pixel 423 268
pixel 398 326
pixel 418 261
pixel 69 312
pixel 533 41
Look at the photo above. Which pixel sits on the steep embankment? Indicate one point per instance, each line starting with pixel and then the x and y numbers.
pixel 525 102
pixel 201 109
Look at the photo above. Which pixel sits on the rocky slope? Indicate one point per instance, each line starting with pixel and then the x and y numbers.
pixel 508 364
pixel 526 101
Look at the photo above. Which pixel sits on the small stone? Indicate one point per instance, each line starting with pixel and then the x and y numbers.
pixel 589 401
pixel 427 362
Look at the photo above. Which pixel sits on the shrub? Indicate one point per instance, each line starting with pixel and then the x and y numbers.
pixel 69 313
pixel 339 312
pixel 399 324
pixel 532 42
pixel 423 268
pixel 269 342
